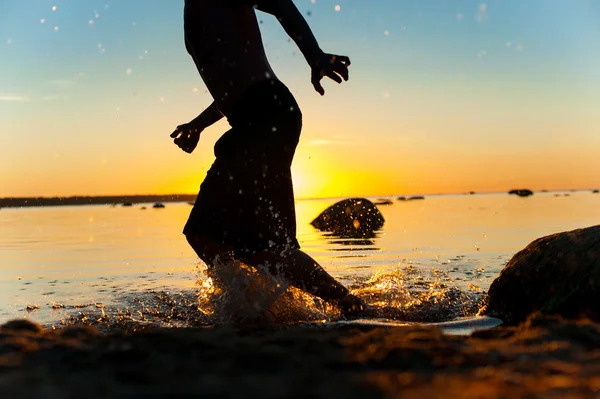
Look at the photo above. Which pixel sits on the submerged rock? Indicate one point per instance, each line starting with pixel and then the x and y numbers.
pixel 557 274
pixel 353 217
pixel 158 205
pixel 416 197
pixel 522 192
pixel 595 191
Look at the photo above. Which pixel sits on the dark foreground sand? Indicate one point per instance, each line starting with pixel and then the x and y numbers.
pixel 544 357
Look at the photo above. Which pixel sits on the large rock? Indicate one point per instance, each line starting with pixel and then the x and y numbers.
pixel 557 274
pixel 353 217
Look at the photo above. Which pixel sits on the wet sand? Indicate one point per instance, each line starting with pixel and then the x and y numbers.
pixel 544 357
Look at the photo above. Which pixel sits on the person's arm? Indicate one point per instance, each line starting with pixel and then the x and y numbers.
pixel 186 136
pixel 294 24
pixel 209 116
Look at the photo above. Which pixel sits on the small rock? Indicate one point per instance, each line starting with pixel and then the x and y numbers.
pixel 522 192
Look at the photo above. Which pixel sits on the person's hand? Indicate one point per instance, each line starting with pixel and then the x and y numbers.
pixel 186 137
pixel 334 67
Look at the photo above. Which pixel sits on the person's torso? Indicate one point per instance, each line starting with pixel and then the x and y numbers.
pixel 227 47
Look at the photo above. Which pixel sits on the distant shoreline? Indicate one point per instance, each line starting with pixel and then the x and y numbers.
pixel 19 202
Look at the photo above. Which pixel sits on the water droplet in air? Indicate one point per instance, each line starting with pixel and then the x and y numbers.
pixel 53 8
pixel 337 7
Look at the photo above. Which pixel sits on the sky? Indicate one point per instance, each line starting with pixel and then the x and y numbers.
pixel 444 96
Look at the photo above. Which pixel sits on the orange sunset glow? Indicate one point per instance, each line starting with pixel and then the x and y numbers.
pixel 436 103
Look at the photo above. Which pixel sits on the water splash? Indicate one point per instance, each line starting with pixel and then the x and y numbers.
pixel 236 293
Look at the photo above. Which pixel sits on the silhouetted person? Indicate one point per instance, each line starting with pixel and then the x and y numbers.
pixel 245 207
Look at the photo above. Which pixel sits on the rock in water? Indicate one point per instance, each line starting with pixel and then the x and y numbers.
pixel 353 217
pixel 556 274
pixel 522 192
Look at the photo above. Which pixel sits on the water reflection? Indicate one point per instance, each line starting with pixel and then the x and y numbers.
pixel 345 242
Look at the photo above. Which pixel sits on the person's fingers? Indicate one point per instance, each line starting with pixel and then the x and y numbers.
pixel 316 81
pixel 343 59
pixel 342 70
pixel 317 85
pixel 333 76
pixel 175 133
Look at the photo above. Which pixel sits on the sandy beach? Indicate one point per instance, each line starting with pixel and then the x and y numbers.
pixel 544 357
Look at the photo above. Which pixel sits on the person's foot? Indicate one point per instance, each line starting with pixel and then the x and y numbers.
pixel 351 306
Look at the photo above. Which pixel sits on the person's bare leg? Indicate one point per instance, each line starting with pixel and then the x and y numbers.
pixel 305 273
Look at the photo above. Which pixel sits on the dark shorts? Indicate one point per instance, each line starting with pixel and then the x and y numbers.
pixel 246 200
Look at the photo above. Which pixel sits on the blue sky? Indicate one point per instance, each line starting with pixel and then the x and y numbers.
pixel 444 96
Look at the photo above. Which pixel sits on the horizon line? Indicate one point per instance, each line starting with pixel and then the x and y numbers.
pixel 297 198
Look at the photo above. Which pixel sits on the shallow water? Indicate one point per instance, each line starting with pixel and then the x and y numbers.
pixel 434 258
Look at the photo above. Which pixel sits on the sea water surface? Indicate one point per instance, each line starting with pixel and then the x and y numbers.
pixel 443 251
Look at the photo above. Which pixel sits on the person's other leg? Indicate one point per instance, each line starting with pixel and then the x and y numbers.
pixel 304 273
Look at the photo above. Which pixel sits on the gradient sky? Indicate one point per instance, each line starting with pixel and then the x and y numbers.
pixel 444 96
